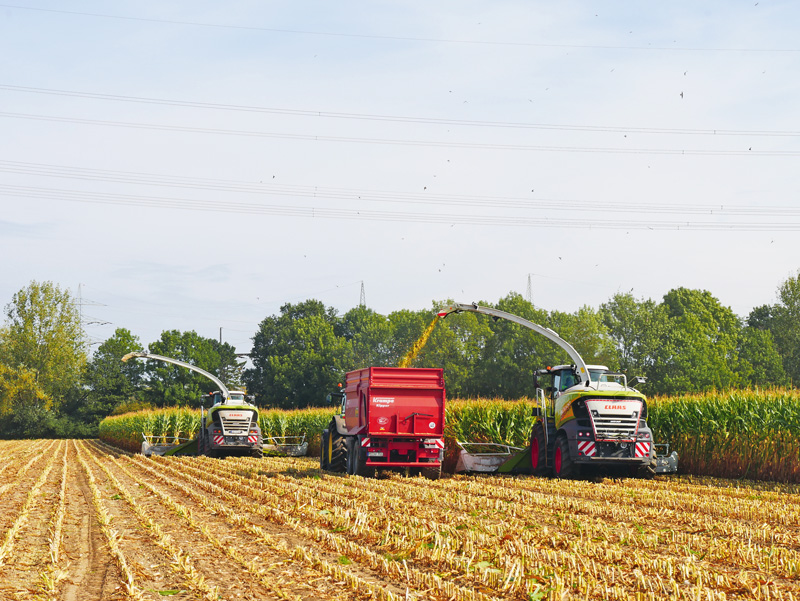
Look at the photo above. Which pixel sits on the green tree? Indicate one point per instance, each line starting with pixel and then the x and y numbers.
pixel 782 320
pixel 700 349
pixel 43 338
pixel 109 380
pixel 511 353
pixel 637 329
pixel 587 333
pixel 171 385
pixel 297 356
pixel 370 337
pixel 760 363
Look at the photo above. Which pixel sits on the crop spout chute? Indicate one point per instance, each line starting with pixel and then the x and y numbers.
pixel 580 364
pixel 142 355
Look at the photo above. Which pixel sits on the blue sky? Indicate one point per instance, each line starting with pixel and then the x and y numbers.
pixel 194 165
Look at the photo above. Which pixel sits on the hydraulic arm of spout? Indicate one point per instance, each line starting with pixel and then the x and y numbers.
pixel 546 332
pixel 141 355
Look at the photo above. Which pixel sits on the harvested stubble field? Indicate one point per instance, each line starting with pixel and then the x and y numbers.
pixel 81 520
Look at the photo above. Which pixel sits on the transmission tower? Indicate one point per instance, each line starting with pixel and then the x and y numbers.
pixel 363 300
pixel 529 294
pixel 87 320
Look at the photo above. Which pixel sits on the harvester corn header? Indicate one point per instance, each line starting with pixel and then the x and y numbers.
pixel 585 416
pixel 228 427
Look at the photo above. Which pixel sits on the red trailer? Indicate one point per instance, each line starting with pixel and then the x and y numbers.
pixel 390 418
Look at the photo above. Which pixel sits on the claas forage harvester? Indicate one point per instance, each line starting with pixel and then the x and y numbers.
pixel 585 417
pixel 390 418
pixel 228 428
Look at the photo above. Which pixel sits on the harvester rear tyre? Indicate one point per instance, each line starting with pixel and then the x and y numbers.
pixel 563 466
pixel 538 451
pixel 337 451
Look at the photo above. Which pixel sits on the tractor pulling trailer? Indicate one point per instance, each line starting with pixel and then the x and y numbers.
pixel 390 418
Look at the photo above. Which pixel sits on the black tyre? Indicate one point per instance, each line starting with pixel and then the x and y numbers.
pixel 337 451
pixel 258 450
pixel 200 444
pixel 357 459
pixel 646 471
pixel 323 451
pixel 432 473
pixel 563 466
pixel 538 451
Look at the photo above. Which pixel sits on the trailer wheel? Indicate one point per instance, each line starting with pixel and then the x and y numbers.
pixel 432 473
pixel 323 451
pixel 563 466
pixel 337 450
pixel 538 451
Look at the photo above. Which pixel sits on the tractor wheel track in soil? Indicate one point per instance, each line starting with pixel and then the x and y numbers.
pixel 99 523
pixel 279 554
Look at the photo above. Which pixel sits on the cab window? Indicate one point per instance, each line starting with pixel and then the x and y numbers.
pixel 567 380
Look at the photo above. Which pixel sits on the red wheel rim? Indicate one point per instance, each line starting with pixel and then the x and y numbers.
pixel 557 460
pixel 535 453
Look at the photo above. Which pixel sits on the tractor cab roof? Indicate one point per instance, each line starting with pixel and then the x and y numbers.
pixel 601 378
pixel 236 397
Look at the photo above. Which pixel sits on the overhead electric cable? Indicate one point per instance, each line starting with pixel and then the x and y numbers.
pixel 405 198
pixel 398 142
pixel 452 219
pixel 399 118
pixel 395 38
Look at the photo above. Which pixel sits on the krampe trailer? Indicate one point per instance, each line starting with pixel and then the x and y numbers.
pixel 390 418
pixel 229 427
pixel 586 417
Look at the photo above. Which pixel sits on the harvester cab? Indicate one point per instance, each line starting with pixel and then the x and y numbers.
pixel 585 417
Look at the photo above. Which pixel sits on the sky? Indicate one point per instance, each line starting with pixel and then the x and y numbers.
pixel 195 165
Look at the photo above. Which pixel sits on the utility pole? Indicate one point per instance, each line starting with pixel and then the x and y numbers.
pixel 363 301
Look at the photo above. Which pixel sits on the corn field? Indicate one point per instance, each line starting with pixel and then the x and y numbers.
pixel 85 520
pixel 740 434
pixel 169 425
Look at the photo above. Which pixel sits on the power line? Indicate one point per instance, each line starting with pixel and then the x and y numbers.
pixel 387 216
pixel 400 118
pixel 321 193
pixel 648 48
pixel 398 142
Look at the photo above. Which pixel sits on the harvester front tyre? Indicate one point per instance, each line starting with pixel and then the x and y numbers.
pixel 563 466
pixel 258 450
pixel 646 471
pixel 337 451
pixel 538 451
pixel 323 451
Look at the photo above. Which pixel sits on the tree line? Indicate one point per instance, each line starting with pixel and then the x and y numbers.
pixel 686 342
